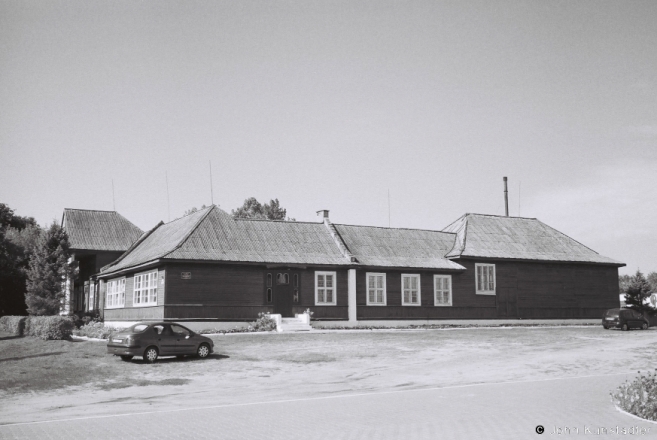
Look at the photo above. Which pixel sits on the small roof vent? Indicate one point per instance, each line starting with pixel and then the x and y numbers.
pixel 323 213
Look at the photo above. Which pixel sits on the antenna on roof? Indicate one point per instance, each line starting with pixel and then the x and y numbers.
pixel 506 198
pixel 211 192
pixel 166 177
pixel 113 199
pixel 519 199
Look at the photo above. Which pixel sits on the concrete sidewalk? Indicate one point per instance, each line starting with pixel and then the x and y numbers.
pixel 486 411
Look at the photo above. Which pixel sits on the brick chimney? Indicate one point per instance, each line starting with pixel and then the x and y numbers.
pixel 323 213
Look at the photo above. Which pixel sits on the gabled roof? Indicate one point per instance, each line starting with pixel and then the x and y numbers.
pixel 391 247
pixel 99 230
pixel 490 236
pixel 211 234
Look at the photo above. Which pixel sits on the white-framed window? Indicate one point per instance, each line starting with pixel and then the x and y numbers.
pixel 485 278
pixel 442 290
pixel 376 289
pixel 115 293
pixel 325 290
pixel 145 290
pixel 411 290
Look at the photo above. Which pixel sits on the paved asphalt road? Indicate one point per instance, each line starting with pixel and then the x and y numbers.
pixel 486 411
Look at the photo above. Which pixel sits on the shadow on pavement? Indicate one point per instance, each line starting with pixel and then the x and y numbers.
pixel 172 359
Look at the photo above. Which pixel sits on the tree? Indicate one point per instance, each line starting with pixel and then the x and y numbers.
pixel 47 272
pixel 254 209
pixel 652 281
pixel 637 292
pixel 624 282
pixel 17 235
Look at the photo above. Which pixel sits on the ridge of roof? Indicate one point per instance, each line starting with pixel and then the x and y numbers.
pixel 143 237
pixel 499 216
pixel 242 219
pixel 91 210
pixel 191 230
pixel 393 229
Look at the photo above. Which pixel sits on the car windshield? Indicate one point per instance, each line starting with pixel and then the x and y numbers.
pixel 138 328
pixel 612 312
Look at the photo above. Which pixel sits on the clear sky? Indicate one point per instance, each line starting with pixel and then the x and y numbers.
pixel 331 104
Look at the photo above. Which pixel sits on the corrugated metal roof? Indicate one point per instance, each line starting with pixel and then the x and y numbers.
pixel 390 247
pixel 222 238
pixel 213 235
pixel 99 230
pixel 489 236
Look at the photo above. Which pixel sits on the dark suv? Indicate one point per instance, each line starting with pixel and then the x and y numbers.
pixel 624 319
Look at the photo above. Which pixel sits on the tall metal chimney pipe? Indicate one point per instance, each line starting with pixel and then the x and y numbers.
pixel 506 198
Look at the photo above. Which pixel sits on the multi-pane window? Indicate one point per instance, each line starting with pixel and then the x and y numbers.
pixel 115 293
pixel 376 289
pixel 485 278
pixel 325 291
pixel 410 290
pixel 145 289
pixel 442 288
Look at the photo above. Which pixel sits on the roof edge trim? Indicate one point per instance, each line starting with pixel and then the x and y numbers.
pixel 143 237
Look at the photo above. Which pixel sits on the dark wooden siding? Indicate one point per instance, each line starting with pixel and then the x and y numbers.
pixel 134 313
pixel 527 290
pixel 465 303
pixel 234 292
pixel 550 290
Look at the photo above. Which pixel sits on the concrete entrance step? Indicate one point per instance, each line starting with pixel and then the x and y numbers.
pixel 294 325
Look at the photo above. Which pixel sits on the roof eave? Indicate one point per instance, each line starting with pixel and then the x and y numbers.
pixel 533 260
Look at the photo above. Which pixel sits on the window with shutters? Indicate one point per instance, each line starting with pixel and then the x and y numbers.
pixel 376 289
pixel 485 278
pixel 410 290
pixel 442 290
pixel 325 288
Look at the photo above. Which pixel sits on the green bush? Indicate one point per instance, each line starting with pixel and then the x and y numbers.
pixel 13 324
pixel 49 327
pixel 638 397
pixel 264 323
pixel 84 318
pixel 94 330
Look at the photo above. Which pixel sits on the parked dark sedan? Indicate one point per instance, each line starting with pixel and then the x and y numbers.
pixel 151 340
pixel 624 319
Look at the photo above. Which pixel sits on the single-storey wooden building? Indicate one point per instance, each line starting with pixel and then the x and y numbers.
pixel 96 239
pixel 210 266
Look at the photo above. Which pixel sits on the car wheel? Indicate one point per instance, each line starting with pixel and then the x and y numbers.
pixel 624 327
pixel 126 358
pixel 150 354
pixel 203 351
pixel 605 327
pixel 644 326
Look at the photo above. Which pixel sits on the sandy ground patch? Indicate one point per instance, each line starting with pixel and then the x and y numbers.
pixel 247 368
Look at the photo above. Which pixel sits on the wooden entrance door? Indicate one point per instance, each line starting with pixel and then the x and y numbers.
pixel 286 292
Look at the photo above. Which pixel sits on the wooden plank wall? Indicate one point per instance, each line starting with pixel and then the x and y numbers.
pixel 234 292
pixel 134 313
pixel 465 303
pixel 523 290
